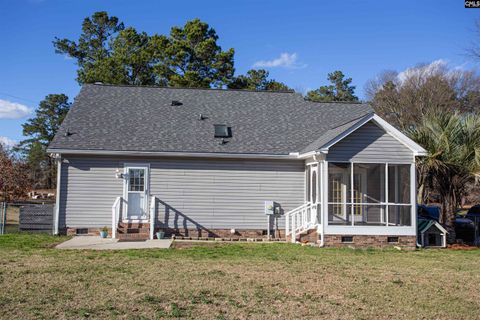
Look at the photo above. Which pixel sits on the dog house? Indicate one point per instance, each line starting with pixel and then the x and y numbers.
pixel 431 234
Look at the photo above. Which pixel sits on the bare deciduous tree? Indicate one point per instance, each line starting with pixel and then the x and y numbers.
pixel 404 98
pixel 474 49
pixel 14 177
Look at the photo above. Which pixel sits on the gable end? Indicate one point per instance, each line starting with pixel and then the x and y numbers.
pixel 370 143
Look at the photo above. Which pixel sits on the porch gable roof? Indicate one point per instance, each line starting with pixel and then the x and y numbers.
pixel 337 134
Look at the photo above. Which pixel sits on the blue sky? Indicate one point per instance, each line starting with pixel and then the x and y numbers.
pixel 299 42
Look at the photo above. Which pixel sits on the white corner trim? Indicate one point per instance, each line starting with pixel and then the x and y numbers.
pixel 57 198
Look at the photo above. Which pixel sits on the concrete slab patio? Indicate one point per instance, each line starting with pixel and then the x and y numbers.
pixel 97 243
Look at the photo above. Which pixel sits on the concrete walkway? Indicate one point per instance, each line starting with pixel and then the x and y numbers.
pixel 97 243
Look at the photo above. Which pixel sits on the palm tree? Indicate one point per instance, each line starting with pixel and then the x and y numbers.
pixel 453 144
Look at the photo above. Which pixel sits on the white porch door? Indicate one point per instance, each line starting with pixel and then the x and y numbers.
pixel 136 183
pixel 313 196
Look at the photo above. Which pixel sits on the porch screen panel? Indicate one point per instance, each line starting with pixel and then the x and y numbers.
pixel 399 205
pixel 369 194
pixel 339 208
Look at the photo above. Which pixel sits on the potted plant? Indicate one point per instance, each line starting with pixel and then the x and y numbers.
pixel 104 232
pixel 160 234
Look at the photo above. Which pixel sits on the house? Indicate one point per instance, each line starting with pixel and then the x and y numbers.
pixel 431 233
pixel 212 163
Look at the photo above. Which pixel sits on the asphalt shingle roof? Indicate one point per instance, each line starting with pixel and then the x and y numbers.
pixel 134 118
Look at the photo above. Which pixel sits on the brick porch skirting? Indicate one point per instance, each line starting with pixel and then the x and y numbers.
pixel 311 236
pixel 370 241
pixel 358 241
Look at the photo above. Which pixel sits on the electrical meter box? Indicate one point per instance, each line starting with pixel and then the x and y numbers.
pixel 271 207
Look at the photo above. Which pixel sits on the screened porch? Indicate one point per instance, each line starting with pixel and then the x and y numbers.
pixel 369 194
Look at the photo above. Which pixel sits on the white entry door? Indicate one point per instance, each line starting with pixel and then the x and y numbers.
pixel 136 189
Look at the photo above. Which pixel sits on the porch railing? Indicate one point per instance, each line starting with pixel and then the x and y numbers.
pixel 116 209
pixel 153 202
pixel 300 219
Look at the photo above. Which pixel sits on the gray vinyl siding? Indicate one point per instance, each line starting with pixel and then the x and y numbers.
pixel 88 190
pixel 192 193
pixel 370 143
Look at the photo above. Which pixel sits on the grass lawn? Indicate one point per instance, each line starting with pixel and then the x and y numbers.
pixel 235 281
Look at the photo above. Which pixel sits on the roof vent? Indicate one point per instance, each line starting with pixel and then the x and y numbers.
pixel 67 133
pixel 176 103
pixel 223 141
pixel 222 131
pixel 202 117
pixel 98 82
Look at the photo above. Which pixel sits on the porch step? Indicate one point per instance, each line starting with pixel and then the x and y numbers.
pixel 128 231
pixel 135 225
pixel 133 237
pixel 134 230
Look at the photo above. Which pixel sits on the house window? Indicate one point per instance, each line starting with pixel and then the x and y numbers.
pixel 358 194
pixel 137 179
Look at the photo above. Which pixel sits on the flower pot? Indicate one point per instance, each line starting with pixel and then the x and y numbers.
pixel 103 234
pixel 160 234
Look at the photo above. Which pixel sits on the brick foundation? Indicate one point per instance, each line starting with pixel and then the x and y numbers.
pixel 311 236
pixel 90 231
pixel 365 241
pixel 222 233
pixel 195 233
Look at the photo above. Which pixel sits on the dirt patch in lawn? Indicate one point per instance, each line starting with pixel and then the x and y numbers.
pixel 235 281
pixel 458 246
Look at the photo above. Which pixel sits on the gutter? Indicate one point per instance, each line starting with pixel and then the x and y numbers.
pixel 176 154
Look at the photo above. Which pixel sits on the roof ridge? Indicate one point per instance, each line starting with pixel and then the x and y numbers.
pixel 183 88
pixel 333 102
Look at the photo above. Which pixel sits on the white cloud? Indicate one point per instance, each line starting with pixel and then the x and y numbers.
pixel 285 60
pixel 423 71
pixel 7 142
pixel 13 110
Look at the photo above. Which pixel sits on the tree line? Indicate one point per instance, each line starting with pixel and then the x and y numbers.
pixel 109 52
pixel 435 105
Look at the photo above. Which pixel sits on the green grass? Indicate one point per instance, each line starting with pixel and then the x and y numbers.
pixel 234 281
